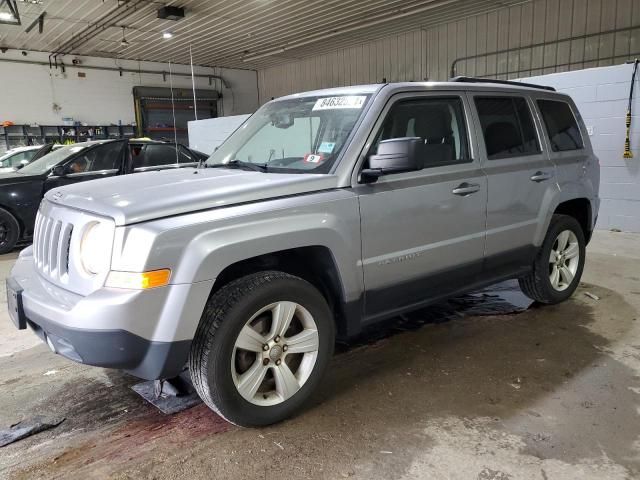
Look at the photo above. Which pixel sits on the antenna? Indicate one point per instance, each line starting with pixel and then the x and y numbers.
pixel 193 85
pixel 173 111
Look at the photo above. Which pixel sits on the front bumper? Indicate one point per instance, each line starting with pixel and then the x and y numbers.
pixel 147 333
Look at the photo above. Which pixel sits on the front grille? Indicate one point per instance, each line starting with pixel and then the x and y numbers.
pixel 51 241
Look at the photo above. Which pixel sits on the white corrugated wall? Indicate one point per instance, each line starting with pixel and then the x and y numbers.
pixel 569 34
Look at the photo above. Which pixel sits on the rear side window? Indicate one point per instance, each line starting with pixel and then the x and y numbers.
pixel 507 126
pixel 157 155
pixel 561 125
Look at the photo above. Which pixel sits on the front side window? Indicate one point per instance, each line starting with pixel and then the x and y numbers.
pixel 301 135
pixel 103 157
pixel 50 160
pixel 20 158
pixel 561 125
pixel 507 127
pixel 439 122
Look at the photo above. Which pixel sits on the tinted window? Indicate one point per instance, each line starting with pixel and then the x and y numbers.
pixel 103 157
pixel 561 125
pixel 20 158
pixel 507 127
pixel 155 155
pixel 438 121
pixel 56 157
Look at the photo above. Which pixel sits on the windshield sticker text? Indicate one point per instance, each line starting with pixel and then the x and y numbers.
pixel 350 101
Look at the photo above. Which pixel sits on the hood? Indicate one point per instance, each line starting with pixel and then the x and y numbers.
pixel 145 196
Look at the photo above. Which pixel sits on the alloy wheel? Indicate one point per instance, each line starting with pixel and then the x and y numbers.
pixel 275 353
pixel 564 260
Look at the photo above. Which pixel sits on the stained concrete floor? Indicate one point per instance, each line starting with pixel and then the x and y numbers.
pixel 551 393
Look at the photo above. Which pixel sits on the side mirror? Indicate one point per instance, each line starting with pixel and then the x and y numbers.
pixel 59 171
pixel 20 165
pixel 394 156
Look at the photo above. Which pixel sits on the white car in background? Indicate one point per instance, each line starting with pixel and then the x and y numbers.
pixel 18 157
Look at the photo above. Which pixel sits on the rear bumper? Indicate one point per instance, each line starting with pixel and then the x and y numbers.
pixel 146 333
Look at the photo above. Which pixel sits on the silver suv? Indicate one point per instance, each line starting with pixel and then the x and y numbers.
pixel 325 212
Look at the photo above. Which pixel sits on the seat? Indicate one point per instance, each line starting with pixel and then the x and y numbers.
pixel 502 137
pixel 433 124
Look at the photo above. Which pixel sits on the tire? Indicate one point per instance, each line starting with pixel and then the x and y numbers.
pixel 220 365
pixel 549 282
pixel 9 231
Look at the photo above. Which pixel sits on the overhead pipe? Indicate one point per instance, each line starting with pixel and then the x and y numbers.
pixel 106 21
pixel 121 70
pixel 454 65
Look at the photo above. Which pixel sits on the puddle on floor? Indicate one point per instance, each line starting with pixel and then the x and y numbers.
pixel 501 299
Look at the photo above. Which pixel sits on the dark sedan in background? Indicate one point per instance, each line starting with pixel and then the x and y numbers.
pixel 21 191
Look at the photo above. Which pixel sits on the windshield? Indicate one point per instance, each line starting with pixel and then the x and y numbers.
pixel 296 135
pixel 50 160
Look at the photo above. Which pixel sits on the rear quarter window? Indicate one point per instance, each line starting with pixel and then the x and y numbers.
pixel 561 125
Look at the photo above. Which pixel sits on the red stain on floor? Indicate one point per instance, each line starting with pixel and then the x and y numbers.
pixel 135 437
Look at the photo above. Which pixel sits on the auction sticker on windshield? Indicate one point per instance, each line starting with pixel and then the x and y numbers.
pixel 349 101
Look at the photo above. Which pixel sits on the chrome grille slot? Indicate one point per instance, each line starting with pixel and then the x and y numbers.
pixel 46 237
pixel 53 248
pixel 51 241
pixel 57 239
pixel 63 249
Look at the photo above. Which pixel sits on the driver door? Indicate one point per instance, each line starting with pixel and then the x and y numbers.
pixel 101 161
pixel 423 232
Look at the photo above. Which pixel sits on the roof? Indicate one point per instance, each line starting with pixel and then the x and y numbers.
pixel 467 85
pixel 23 149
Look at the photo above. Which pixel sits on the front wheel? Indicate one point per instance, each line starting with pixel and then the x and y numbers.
pixel 9 231
pixel 262 346
pixel 559 263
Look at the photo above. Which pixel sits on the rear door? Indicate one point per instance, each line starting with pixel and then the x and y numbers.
pixel 101 161
pixel 423 232
pixel 567 142
pixel 521 179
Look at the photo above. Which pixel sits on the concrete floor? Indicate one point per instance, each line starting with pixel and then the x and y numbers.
pixel 551 393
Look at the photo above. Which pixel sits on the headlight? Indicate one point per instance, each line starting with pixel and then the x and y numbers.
pixel 95 248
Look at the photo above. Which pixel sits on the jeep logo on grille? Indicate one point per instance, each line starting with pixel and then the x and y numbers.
pixel 57 196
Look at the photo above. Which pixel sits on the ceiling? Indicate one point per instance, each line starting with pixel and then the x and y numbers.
pixel 250 34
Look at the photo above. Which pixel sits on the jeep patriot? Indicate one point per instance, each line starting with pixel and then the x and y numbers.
pixel 325 212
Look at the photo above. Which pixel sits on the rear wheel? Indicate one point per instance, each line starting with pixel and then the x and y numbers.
pixel 9 231
pixel 558 266
pixel 261 348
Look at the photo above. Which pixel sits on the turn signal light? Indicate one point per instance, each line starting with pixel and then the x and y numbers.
pixel 139 281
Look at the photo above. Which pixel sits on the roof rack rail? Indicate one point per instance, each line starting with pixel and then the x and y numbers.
pixel 501 82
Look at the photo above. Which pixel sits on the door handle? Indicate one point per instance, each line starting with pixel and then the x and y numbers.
pixel 540 177
pixel 465 189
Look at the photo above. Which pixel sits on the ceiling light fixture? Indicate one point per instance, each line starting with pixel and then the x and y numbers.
pixel 171 13
pixel 167 35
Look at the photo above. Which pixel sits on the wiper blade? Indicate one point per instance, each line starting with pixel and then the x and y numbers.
pixel 256 167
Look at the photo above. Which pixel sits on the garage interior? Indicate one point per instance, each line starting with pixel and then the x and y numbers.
pixel 478 387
